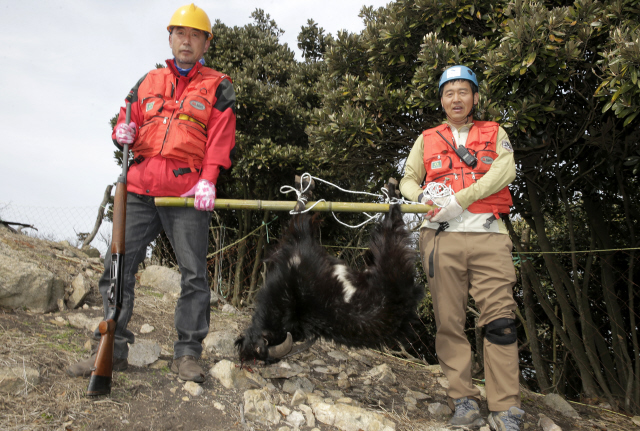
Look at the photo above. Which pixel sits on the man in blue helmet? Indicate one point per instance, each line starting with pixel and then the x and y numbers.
pixel 465 248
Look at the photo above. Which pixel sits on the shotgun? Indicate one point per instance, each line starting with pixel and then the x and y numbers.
pixel 100 380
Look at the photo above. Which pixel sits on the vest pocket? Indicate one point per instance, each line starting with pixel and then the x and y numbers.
pixel 197 107
pixel 485 159
pixel 437 166
pixel 193 140
pixel 150 132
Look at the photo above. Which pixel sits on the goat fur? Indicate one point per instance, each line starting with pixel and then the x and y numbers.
pixel 313 295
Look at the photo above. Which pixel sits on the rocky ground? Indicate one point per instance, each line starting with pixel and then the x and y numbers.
pixel 325 387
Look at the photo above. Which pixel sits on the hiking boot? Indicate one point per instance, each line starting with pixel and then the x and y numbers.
pixel 86 366
pixel 506 421
pixel 467 413
pixel 187 368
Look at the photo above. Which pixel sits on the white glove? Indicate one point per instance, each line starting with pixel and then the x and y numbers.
pixel 126 133
pixel 205 195
pixel 448 212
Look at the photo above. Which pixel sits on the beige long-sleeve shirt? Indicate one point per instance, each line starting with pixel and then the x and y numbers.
pixel 500 175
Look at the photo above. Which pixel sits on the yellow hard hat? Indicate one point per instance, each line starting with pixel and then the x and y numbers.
pixel 191 16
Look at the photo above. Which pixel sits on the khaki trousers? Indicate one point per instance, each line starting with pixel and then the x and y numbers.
pixel 480 265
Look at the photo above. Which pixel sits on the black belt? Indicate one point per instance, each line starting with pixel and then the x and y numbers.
pixel 182 171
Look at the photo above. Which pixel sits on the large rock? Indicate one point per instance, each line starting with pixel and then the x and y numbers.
pixel 143 353
pixel 161 279
pixel 558 403
pixel 81 321
pixel 259 407
pixel 80 289
pixel 221 343
pixel 24 283
pixel 232 377
pixel 351 418
pixel 18 380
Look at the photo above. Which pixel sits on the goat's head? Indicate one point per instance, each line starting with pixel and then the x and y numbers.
pixel 255 345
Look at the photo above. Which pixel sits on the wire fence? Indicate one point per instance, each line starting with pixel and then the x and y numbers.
pixel 577 323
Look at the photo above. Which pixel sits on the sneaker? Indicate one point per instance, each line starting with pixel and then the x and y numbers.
pixel 188 369
pixel 506 421
pixel 467 413
pixel 85 367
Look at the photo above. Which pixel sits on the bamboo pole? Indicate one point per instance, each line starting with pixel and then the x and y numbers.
pixel 240 204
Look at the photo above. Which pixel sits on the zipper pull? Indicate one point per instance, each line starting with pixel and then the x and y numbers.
pixel 455 176
pixel 473 175
pixel 165 120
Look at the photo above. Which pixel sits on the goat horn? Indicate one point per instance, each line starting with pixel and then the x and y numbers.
pixel 280 350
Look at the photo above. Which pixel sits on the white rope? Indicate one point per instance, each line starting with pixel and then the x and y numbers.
pixel 308 177
pixel 438 192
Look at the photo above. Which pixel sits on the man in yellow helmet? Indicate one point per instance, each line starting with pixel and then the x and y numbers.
pixel 182 134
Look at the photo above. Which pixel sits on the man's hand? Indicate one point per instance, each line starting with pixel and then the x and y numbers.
pixel 448 212
pixel 126 133
pixel 205 195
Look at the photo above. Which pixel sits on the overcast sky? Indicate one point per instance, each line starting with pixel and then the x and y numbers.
pixel 66 66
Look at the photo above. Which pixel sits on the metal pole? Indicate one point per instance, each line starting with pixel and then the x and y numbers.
pixel 239 204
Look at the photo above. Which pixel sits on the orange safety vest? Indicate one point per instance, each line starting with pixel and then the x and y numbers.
pixel 176 129
pixel 443 165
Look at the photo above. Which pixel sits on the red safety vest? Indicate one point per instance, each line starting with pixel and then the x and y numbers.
pixel 444 166
pixel 176 129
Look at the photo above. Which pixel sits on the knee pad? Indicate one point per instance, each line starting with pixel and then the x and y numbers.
pixel 501 331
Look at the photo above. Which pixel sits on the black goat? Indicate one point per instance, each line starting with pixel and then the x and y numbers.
pixel 308 294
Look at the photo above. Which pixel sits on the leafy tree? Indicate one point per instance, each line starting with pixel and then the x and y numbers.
pixel 561 77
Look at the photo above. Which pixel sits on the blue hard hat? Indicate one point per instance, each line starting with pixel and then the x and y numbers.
pixel 458 72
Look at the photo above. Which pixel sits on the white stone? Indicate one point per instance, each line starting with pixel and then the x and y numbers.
pixel 351 418
pixel 547 424
pixel 439 410
pixel 383 374
pixel 232 377
pixel 284 411
pixel 221 343
pixel 218 406
pixel 299 397
pixel 26 284
pixel 146 329
pixel 18 380
pixel 162 279
pixel 81 288
pixel 193 388
pixel 296 419
pixel 143 353
pixel 338 356
pixel 308 415
pixel 80 321
pixel 259 407
pixel 558 403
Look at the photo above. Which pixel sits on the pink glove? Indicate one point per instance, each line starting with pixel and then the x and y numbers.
pixel 205 195
pixel 448 212
pixel 126 134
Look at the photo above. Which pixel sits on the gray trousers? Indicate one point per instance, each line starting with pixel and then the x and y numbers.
pixel 187 230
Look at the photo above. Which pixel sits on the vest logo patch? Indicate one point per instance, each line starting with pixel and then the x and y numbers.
pixel 199 106
pixel 149 106
pixel 436 165
pixel 486 160
pixel 507 146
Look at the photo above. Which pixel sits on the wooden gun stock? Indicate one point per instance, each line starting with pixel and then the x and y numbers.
pixel 100 382
pixel 101 375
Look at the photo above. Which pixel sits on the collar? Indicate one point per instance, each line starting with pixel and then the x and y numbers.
pixel 467 126
pixel 174 69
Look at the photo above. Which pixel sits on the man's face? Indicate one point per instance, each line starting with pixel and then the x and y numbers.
pixel 457 100
pixel 188 45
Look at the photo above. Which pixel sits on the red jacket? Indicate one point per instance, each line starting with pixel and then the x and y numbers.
pixel 186 129
pixel 443 164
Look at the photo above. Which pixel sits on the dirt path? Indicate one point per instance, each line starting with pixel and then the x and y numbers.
pixel 153 398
